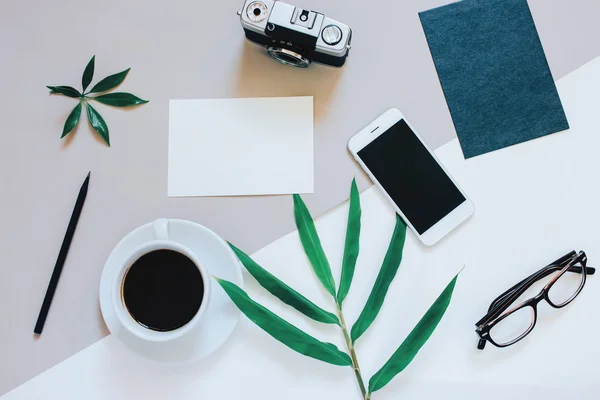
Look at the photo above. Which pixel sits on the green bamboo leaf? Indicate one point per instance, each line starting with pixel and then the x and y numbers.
pixel 65 90
pixel 390 265
pixel 312 245
pixel 88 74
pixel 283 292
pixel 414 341
pixel 282 330
pixel 352 245
pixel 98 123
pixel 72 120
pixel 110 82
pixel 119 99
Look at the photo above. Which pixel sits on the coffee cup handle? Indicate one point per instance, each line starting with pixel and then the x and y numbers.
pixel 161 229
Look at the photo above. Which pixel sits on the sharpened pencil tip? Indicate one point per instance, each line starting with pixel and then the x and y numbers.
pixel 88 175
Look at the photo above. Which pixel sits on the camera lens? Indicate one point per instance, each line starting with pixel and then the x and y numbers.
pixel 288 57
pixel 257 11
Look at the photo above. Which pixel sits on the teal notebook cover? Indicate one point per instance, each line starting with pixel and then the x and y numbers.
pixel 494 73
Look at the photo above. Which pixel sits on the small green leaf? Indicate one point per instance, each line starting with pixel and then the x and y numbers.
pixel 88 74
pixel 283 292
pixel 414 341
pixel 65 90
pixel 98 123
pixel 282 330
pixel 72 120
pixel 119 99
pixel 312 245
pixel 352 245
pixel 390 265
pixel 110 82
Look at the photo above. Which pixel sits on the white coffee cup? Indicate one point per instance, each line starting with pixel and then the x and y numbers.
pixel 161 242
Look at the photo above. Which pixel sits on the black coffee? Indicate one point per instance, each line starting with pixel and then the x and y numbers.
pixel 163 290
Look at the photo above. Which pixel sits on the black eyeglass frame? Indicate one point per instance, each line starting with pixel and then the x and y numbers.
pixel 498 309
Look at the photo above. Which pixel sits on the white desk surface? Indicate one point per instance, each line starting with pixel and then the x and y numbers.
pixel 535 202
pixel 185 49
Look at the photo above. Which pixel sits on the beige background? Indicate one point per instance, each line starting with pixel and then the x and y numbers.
pixel 185 49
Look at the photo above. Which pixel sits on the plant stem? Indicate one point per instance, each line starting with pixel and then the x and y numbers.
pixel 355 365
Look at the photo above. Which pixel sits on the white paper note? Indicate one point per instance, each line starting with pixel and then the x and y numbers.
pixel 230 147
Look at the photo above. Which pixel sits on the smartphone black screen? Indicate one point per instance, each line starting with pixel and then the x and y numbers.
pixel 411 176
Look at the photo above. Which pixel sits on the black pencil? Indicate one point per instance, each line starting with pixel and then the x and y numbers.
pixel 62 255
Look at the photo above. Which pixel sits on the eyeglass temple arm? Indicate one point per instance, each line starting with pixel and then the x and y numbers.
pixel 505 299
pixel 544 272
pixel 540 275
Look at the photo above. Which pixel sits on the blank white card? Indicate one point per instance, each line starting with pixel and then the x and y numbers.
pixel 230 147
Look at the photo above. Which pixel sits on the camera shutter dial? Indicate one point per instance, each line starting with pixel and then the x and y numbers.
pixel 257 11
pixel 332 35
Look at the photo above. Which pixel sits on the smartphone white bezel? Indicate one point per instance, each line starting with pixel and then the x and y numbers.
pixel 444 226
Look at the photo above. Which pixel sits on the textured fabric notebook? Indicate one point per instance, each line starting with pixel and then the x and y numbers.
pixel 494 73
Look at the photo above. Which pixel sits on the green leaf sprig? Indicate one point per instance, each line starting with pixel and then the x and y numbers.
pixel 309 346
pixel 116 99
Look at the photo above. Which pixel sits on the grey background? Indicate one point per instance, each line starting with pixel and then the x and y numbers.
pixel 185 49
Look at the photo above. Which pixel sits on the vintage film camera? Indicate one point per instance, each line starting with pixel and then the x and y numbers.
pixel 294 36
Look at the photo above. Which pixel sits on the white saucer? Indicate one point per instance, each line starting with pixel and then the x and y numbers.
pixel 221 315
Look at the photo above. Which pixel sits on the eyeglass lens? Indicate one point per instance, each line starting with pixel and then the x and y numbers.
pixel 566 288
pixel 520 322
pixel 514 326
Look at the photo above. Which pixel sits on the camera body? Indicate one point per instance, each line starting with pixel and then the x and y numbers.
pixel 294 36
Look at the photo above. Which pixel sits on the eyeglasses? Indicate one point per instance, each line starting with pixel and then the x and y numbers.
pixel 504 325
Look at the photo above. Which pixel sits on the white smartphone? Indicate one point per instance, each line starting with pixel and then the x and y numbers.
pixel 423 193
